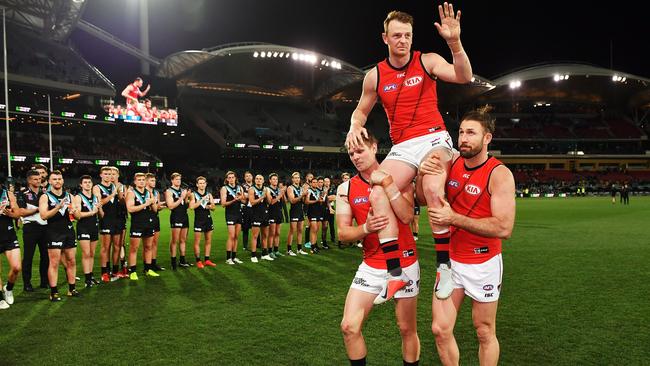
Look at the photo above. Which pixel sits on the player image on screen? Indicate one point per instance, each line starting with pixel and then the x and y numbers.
pixel 138 110
pixel 132 92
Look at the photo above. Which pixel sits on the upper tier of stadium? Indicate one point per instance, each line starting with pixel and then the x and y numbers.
pixel 43 62
pixel 266 70
pixel 275 71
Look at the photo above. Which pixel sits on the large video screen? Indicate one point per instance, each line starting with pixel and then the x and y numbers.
pixel 145 114
pixel 138 108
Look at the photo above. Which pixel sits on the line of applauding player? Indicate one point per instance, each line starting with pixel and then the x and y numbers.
pixel 48 213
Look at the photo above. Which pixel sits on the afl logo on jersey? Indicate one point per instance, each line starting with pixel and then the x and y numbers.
pixel 453 183
pixel 413 81
pixel 360 200
pixel 390 88
pixel 472 189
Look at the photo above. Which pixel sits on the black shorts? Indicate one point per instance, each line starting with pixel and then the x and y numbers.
pixel 121 225
pixel 296 218
pixel 275 217
pixel 87 233
pixel 179 222
pixel 260 220
pixel 295 213
pixel 315 218
pixel 203 226
pixel 8 241
pixel 235 219
pixel 138 231
pixel 61 239
pixel 416 210
pixel 315 211
pixel 109 227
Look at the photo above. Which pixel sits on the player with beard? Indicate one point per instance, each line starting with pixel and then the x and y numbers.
pixel 480 209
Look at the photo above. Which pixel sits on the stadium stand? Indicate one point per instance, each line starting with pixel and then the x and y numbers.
pixel 293 101
pixel 53 61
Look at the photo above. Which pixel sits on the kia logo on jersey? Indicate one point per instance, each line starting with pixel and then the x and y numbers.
pixel 360 200
pixel 413 81
pixel 390 87
pixel 472 189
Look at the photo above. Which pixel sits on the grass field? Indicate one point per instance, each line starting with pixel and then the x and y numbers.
pixel 576 292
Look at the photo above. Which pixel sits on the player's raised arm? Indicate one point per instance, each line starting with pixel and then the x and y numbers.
pixel 460 70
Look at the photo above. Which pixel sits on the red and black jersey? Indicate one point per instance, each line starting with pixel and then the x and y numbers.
pixel 468 194
pixel 358 197
pixel 410 100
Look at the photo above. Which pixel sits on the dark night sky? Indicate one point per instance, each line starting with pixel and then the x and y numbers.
pixel 498 36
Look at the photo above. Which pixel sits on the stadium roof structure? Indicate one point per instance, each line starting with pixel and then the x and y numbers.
pixel 270 70
pixel 51 18
pixel 570 82
pixel 260 69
